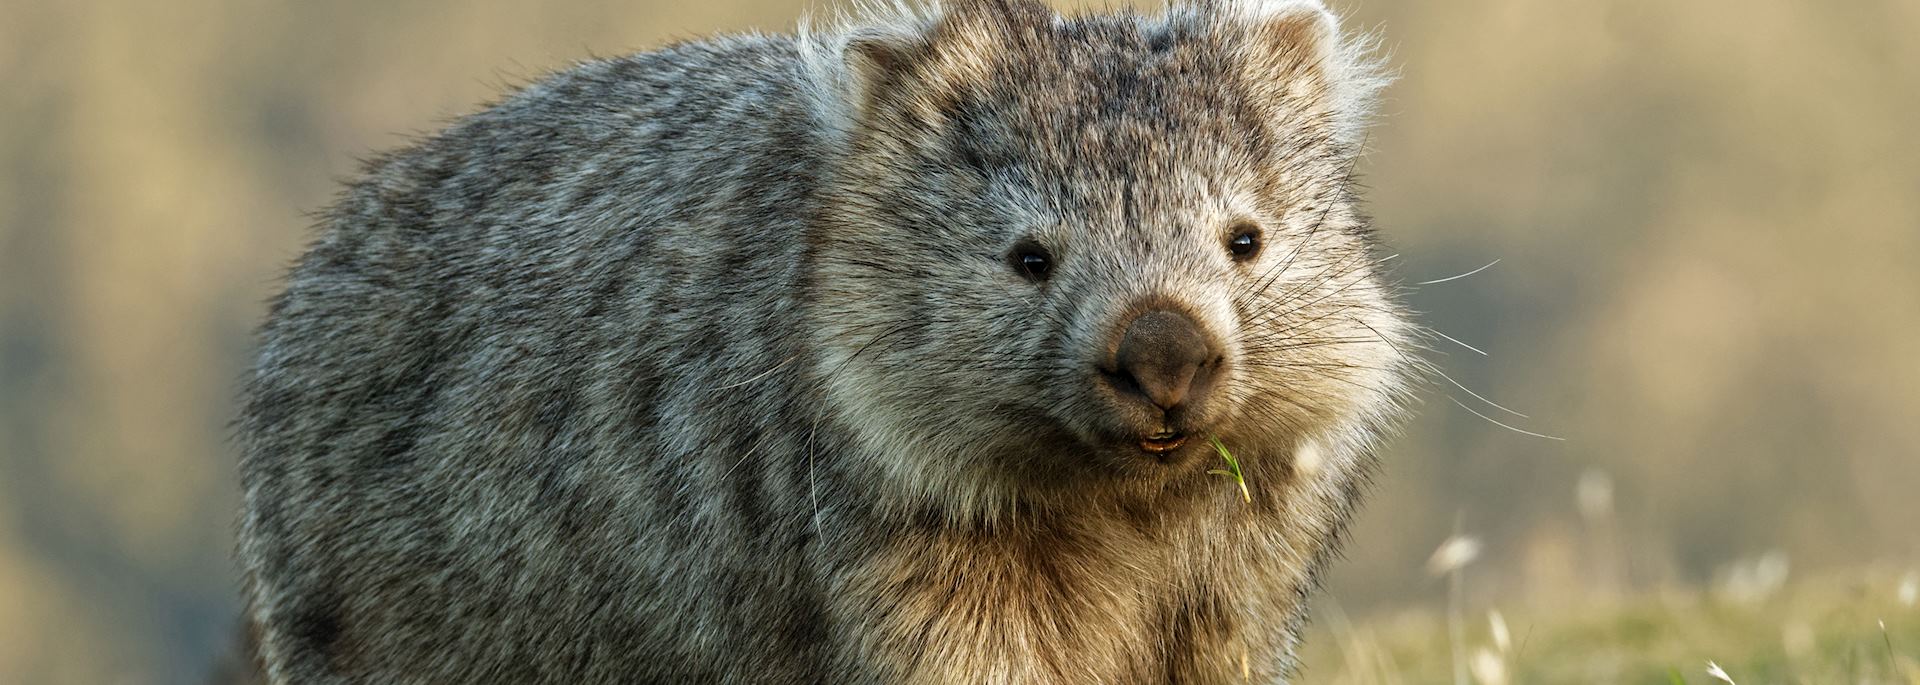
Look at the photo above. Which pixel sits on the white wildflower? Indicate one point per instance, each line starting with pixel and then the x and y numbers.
pixel 1488 667
pixel 1594 493
pixel 1453 555
pixel 1718 673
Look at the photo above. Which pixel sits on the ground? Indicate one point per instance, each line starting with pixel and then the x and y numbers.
pixel 1853 627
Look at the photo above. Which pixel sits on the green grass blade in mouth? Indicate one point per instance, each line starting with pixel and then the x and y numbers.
pixel 1233 468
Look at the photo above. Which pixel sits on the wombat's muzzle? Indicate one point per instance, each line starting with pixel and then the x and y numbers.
pixel 1164 367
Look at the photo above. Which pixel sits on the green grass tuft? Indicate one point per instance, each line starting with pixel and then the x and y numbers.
pixel 1232 470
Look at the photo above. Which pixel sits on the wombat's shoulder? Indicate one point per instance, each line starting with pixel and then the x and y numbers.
pixel 483 264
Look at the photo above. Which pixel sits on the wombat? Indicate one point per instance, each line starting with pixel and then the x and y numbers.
pixel 973 344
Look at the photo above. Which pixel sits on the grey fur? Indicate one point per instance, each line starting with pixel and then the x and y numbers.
pixel 707 364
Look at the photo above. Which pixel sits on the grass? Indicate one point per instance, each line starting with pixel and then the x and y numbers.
pixel 1232 470
pixel 1844 628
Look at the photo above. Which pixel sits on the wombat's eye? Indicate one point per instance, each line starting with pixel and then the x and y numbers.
pixel 1031 260
pixel 1245 242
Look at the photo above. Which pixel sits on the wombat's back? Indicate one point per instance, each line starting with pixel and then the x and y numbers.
pixel 531 363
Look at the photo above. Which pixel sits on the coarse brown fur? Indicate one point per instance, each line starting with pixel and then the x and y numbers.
pixel 709 364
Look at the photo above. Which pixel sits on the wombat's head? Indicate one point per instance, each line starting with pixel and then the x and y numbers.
pixel 1062 252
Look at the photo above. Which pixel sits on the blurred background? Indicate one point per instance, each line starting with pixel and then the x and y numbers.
pixel 1706 217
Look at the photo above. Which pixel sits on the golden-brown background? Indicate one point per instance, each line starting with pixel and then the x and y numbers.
pixel 1707 216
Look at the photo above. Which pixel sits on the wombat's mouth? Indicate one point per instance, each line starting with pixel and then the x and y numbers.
pixel 1163 442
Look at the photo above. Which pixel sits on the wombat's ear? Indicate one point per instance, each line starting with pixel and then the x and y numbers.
pixel 877 64
pixel 1297 61
pixel 914 63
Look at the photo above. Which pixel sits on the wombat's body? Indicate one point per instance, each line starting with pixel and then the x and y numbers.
pixel 885 355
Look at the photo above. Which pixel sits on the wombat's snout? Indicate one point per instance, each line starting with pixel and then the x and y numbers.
pixel 1165 360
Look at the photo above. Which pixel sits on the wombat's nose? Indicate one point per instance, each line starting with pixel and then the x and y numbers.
pixel 1164 357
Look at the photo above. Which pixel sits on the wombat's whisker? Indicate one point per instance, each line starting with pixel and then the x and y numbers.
pixel 1310 327
pixel 1456 341
pixel 1340 378
pixel 1310 343
pixel 1275 272
pixel 1326 206
pixel 1442 374
pixel 1491 420
pixel 1477 396
pixel 1489 265
pixel 1300 328
pixel 1318 281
